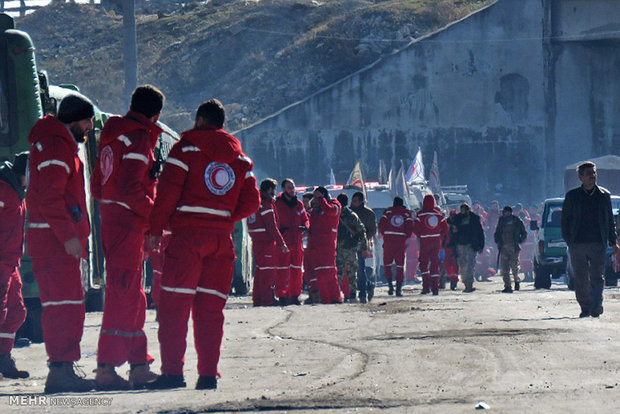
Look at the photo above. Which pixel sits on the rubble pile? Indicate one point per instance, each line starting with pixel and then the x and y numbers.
pixel 256 56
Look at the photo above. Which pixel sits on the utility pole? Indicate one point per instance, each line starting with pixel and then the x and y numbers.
pixel 130 48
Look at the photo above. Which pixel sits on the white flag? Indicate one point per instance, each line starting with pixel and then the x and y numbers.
pixel 332 177
pixel 415 173
pixel 390 180
pixel 434 176
pixel 382 175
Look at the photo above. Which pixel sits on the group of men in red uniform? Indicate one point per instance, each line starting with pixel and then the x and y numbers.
pixel 277 230
pixel 206 186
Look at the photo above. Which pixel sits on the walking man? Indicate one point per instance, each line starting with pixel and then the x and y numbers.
pixel 57 236
pixel 322 239
pixel 588 228
pixel 469 240
pixel 124 182
pixel 431 227
pixel 351 239
pixel 12 215
pixel 395 226
pixel 365 278
pixel 292 222
pixel 509 234
pixel 206 186
pixel 266 241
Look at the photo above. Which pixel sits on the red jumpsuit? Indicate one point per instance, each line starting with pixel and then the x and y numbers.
pixel 430 226
pixel 411 255
pixel 12 309
pixel 396 226
pixel 56 214
pixel 125 187
pixel 206 186
pixel 266 241
pixel 291 216
pixel 157 262
pixel 324 218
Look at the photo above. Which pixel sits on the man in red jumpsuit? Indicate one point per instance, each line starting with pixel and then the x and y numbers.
pixel 292 221
pixel 322 239
pixel 431 227
pixel 266 241
pixel 395 226
pixel 124 183
pixel 12 214
pixel 57 235
pixel 206 186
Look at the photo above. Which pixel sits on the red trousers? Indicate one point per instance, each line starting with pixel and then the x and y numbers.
pixel 394 251
pixel 412 253
pixel 198 272
pixel 289 271
pixel 450 264
pixel 12 309
pixel 309 276
pixel 157 262
pixel 122 338
pixel 429 254
pixel 326 273
pixel 264 273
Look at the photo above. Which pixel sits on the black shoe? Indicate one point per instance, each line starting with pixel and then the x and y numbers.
pixel 507 290
pixel 469 289
pixel 8 368
pixel 517 285
pixel 308 301
pixel 166 382
pixel 453 284
pixel 371 293
pixel 295 301
pixel 283 301
pixel 435 292
pixel 584 313
pixel 425 292
pixel 363 298
pixel 596 312
pixel 206 383
pixel 399 289
pixel 390 288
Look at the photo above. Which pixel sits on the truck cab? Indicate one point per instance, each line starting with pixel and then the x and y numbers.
pixel 551 252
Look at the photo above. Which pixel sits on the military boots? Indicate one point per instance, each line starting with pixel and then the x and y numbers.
pixel 8 368
pixel 399 288
pixel 390 288
pixel 63 378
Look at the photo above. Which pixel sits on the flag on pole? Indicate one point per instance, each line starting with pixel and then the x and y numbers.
pixel 382 173
pixel 390 180
pixel 415 172
pixel 400 186
pixel 356 179
pixel 332 177
pixel 434 177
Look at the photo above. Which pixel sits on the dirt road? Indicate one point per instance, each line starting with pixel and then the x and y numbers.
pixel 522 352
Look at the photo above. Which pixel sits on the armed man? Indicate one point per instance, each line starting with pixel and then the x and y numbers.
pixel 351 238
pixel 508 236
pixel 12 215
pixel 124 182
pixel 365 280
pixel 57 235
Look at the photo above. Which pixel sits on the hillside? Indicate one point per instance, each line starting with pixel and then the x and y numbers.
pixel 255 56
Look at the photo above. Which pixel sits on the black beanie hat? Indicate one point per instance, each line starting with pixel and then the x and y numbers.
pixel 20 163
pixel 75 107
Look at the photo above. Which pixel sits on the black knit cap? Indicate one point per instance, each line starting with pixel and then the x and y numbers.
pixel 75 107
pixel 20 163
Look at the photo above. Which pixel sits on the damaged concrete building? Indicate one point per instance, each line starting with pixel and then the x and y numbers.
pixel 507 96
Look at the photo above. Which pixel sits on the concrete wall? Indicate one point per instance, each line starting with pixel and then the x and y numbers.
pixel 505 105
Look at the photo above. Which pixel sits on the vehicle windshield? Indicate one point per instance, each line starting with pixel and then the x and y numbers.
pixel 554 217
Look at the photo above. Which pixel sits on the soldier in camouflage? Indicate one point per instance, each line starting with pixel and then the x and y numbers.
pixel 351 238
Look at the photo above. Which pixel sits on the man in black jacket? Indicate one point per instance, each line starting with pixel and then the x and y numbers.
pixel 365 282
pixel 588 228
pixel 469 240
pixel 509 234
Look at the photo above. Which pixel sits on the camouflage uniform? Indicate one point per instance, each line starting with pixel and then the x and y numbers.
pixel 351 238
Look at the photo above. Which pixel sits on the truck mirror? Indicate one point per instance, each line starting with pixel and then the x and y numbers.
pixel 533 225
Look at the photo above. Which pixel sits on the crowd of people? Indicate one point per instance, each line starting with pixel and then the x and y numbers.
pixel 189 207
pixel 182 216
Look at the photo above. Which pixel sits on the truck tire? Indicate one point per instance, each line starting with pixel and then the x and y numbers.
pixel 542 277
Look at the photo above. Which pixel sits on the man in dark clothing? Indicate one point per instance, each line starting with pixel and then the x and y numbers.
pixel 351 239
pixel 365 282
pixel 509 234
pixel 588 227
pixel 469 240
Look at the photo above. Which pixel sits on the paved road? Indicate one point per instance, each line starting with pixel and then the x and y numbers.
pixel 524 352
